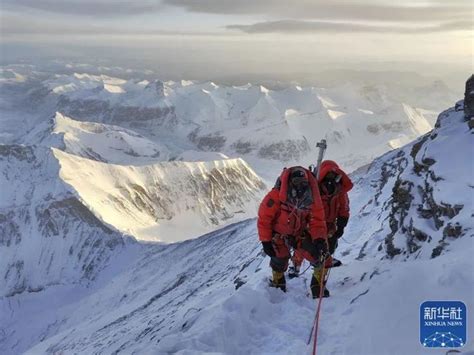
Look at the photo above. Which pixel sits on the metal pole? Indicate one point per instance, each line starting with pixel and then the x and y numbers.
pixel 322 148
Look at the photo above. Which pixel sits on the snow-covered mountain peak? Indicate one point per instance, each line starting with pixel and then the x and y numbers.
pixel 9 75
pixel 266 126
pixel 158 86
pixel 186 82
pixel 264 90
pixel 97 141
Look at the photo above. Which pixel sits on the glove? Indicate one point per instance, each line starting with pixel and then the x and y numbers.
pixel 340 224
pixel 268 249
pixel 320 249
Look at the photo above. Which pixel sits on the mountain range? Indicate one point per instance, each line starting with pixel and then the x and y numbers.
pixel 127 215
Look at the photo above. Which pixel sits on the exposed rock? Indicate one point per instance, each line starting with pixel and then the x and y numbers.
pixel 136 117
pixel 452 231
pixel 9 231
pixel 158 86
pixel 415 235
pixel 285 150
pixel 242 147
pixel 469 99
pixel 19 152
pixel 439 249
pixel 211 142
pixel 394 126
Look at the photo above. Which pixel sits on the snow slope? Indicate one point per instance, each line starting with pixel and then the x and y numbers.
pixel 107 143
pixel 100 142
pixel 47 235
pixel 209 294
pixel 166 201
pixel 421 194
pixel 120 176
pixel 214 298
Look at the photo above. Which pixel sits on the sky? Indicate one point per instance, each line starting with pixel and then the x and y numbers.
pixel 281 38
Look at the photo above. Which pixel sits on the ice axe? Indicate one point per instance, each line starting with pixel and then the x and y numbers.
pixel 322 148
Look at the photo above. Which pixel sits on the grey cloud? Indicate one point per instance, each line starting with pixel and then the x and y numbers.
pixel 12 25
pixel 295 26
pixel 86 7
pixel 370 10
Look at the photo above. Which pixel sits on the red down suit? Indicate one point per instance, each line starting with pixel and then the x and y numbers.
pixel 282 223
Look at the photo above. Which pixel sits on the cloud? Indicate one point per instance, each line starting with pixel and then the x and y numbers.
pixel 27 26
pixel 370 10
pixel 87 7
pixel 295 26
pixel 301 16
pixel 331 10
pixel 12 25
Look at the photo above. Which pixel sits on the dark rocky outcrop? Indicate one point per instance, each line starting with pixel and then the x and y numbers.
pixel 285 150
pixel 469 99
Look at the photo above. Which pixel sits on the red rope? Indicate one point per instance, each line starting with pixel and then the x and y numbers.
pixel 318 310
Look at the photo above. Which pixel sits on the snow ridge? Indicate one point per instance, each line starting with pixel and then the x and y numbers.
pixel 420 193
pixel 167 201
pixel 267 127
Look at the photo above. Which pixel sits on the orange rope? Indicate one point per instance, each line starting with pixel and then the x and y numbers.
pixel 318 310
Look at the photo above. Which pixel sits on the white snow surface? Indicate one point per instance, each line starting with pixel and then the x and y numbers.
pixel 100 142
pixel 255 122
pixel 210 294
pixel 47 235
pixel 424 189
pixel 194 307
pixel 167 201
pixel 268 128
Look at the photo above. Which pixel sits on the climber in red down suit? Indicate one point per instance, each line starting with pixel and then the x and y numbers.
pixel 292 216
pixel 334 184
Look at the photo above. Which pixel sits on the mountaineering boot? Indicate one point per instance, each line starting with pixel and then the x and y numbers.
pixel 336 262
pixel 316 283
pixel 293 271
pixel 278 280
pixel 332 262
pixel 315 289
